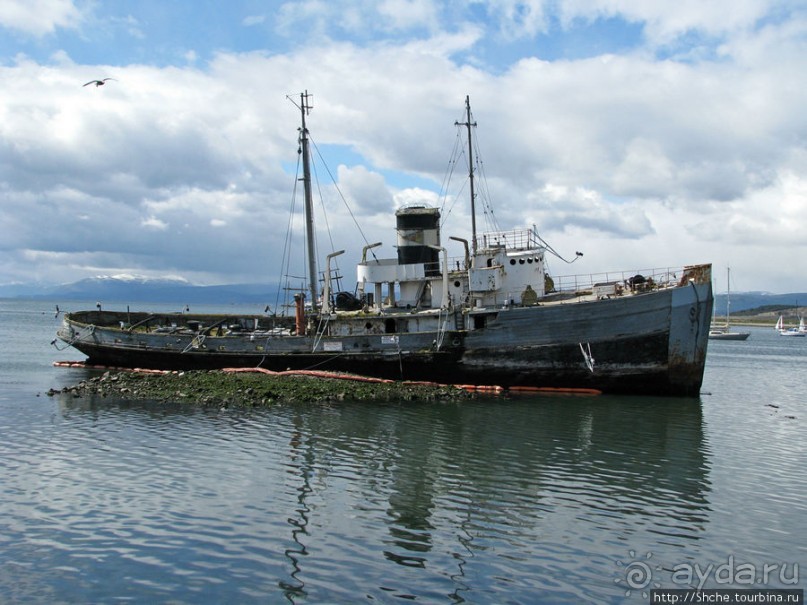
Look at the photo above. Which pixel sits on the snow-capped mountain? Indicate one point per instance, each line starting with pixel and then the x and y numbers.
pixel 138 288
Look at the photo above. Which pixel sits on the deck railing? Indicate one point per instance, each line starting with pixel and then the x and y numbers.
pixel 518 239
pixel 636 279
pixel 640 279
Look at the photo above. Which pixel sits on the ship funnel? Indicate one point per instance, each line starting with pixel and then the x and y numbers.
pixel 418 229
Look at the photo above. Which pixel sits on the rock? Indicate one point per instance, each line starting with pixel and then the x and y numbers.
pixel 224 389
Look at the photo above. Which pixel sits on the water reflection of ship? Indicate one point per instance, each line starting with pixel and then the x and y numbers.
pixel 486 469
pixel 303 458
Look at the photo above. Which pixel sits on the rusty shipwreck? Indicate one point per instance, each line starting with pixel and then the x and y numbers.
pixel 492 316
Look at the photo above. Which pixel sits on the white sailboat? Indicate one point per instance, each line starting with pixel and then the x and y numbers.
pixel 724 332
pixel 801 330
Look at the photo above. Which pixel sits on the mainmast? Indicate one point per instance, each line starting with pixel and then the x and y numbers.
pixel 468 124
pixel 309 205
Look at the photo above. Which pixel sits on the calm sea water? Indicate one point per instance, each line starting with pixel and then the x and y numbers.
pixel 523 500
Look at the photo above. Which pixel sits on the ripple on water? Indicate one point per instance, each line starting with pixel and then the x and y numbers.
pixel 519 500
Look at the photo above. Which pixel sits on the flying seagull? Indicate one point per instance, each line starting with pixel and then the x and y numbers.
pixel 99 82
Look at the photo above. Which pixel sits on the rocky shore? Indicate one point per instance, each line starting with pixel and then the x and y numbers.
pixel 246 389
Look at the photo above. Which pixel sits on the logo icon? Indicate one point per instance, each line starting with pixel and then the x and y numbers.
pixel 637 574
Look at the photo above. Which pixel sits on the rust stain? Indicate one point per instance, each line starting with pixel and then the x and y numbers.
pixel 700 274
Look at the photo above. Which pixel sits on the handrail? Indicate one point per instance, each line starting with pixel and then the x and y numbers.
pixel 651 278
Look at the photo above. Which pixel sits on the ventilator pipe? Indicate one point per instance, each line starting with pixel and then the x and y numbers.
pixel 363 262
pixel 467 250
pixel 365 249
pixel 444 301
pixel 326 293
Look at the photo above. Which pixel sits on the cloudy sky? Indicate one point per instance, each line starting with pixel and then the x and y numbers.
pixel 644 134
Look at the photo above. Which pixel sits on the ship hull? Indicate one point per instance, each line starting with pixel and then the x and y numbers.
pixel 653 343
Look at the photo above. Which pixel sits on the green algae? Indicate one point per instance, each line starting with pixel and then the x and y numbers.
pixel 246 389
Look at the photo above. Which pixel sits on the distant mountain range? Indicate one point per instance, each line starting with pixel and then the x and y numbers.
pixel 137 289
pixel 759 302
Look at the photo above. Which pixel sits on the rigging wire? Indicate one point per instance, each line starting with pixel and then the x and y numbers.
pixel 341 195
pixel 551 250
pixel 315 177
pixel 286 259
pixel 285 262
pixel 490 217
pixel 483 195
pixel 444 187
pixel 335 272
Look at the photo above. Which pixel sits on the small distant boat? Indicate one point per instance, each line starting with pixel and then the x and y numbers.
pixel 801 330
pixel 724 332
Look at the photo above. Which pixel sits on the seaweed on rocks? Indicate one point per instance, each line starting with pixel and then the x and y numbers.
pixel 244 389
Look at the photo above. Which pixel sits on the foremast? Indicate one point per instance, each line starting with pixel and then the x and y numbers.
pixel 305 108
pixel 468 124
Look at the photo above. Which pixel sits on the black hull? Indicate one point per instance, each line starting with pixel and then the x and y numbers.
pixel 633 367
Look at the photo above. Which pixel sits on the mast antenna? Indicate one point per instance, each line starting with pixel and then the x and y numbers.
pixel 468 124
